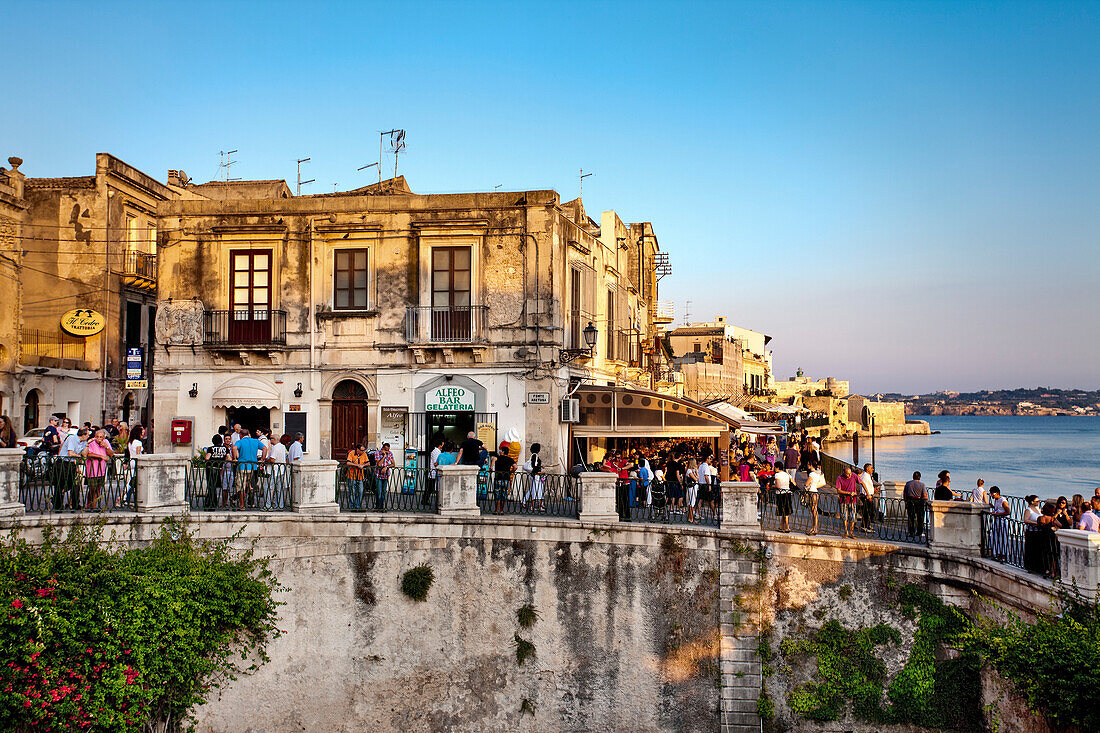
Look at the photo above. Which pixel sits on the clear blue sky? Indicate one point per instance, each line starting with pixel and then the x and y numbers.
pixel 903 194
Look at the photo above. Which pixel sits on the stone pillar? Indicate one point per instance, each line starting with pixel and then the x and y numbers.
pixel 739 505
pixel 457 486
pixel 313 487
pixel 160 483
pixel 598 497
pixel 892 489
pixel 1080 555
pixel 10 506
pixel 956 526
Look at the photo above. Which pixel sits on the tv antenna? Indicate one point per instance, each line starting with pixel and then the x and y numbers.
pixel 300 181
pixel 224 162
pixel 397 145
pixel 583 176
pixel 687 312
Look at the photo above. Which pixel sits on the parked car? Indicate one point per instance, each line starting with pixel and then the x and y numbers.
pixel 31 443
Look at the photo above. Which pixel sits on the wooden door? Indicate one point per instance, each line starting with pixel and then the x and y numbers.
pixel 250 296
pixel 349 418
pixel 451 288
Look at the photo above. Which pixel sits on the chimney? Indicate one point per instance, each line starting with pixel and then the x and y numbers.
pixel 178 179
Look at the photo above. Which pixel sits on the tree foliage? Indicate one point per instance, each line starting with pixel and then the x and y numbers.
pixel 98 637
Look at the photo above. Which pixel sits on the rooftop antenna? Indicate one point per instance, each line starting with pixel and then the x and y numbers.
pixel 334 187
pixel 364 167
pixel 224 162
pixel 497 187
pixel 300 181
pixel 687 312
pixel 583 176
pixel 396 146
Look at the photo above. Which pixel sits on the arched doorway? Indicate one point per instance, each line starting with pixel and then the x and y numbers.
pixel 30 411
pixel 349 417
pixel 128 408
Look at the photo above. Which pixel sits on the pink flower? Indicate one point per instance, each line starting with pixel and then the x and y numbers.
pixel 17 603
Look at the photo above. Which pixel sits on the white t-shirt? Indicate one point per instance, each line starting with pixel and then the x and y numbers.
pixel 979 495
pixel 136 448
pixel 816 481
pixel 868 484
pixel 703 472
pixel 1031 515
pixel 278 453
pixel 1000 506
pixel 782 481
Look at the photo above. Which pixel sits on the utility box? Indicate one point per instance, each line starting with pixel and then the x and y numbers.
pixel 181 431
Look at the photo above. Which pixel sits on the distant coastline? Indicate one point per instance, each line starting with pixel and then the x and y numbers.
pixel 1035 402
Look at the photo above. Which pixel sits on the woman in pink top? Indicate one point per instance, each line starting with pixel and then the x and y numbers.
pixel 96 454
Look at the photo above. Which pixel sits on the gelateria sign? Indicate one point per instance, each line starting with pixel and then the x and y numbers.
pixel 83 322
pixel 449 399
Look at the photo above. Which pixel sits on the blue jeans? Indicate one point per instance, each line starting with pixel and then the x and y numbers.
pixel 355 494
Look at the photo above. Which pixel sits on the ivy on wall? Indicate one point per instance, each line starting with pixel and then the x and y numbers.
pixel 1053 662
pixel 933 689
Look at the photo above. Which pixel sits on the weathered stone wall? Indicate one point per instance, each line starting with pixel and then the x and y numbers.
pixel 626 639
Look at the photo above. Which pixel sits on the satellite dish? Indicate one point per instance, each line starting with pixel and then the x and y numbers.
pixel 183 178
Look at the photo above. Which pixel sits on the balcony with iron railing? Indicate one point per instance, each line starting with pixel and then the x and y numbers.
pixel 663 311
pixel 426 325
pixel 36 344
pixel 244 327
pixel 139 269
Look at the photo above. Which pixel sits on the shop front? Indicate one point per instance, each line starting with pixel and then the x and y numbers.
pixel 628 420
pixel 449 408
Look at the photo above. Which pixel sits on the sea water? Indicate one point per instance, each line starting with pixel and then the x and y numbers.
pixel 1048 456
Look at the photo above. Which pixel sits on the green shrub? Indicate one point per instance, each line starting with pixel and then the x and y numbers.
pixel 527 616
pixel 1053 662
pixel 416 582
pixel 524 650
pixel 101 638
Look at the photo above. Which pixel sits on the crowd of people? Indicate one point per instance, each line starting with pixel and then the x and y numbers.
pixel 77 461
pixel 244 470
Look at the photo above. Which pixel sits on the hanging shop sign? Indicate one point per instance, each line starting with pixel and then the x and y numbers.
pixel 83 322
pixel 137 384
pixel 135 362
pixel 449 399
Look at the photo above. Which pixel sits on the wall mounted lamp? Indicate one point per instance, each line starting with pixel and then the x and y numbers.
pixel 194 391
pixel 590 333
pixel 298 390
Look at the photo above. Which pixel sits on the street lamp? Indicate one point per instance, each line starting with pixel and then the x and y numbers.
pixel 194 391
pixel 590 333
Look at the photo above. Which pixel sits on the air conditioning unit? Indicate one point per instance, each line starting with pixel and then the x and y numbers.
pixel 570 410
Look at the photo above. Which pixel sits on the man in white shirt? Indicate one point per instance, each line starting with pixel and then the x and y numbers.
pixel 433 471
pixel 867 496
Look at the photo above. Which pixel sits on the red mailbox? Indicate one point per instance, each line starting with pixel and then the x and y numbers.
pixel 181 432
